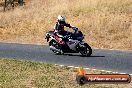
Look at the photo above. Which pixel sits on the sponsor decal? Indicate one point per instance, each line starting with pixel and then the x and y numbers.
pixel 83 78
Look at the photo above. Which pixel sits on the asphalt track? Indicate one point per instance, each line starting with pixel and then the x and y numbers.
pixel 113 60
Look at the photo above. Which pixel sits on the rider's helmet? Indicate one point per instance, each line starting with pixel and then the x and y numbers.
pixel 61 19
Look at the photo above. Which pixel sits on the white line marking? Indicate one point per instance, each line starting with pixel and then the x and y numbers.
pixel 102 70
pixel 76 67
pixel 61 65
pixel 71 66
pixel 115 72
pixel 108 71
pixel 87 68
pixel 92 69
pixel 122 73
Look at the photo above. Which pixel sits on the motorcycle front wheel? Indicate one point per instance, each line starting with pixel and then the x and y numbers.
pixel 86 50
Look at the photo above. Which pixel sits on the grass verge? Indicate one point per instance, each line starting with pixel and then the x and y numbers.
pixel 26 74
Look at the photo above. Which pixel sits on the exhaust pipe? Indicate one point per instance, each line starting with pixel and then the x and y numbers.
pixel 53 48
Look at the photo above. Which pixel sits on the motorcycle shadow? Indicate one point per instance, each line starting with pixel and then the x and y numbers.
pixel 81 55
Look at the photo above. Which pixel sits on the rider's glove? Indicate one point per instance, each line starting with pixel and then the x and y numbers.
pixel 75 28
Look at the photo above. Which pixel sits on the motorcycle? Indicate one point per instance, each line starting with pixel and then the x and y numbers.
pixel 72 43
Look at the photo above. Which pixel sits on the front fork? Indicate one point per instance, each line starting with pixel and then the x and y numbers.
pixel 80 46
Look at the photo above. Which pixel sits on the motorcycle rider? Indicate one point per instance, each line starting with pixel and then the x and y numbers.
pixel 59 27
pixel 60 32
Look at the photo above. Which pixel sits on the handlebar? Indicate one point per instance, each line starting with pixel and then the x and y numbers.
pixel 75 28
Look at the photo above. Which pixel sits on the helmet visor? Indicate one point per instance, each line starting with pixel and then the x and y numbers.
pixel 62 22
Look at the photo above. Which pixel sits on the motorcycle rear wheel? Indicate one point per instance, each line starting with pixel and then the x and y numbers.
pixel 53 43
pixel 57 53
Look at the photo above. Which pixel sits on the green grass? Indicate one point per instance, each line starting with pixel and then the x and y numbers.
pixel 27 74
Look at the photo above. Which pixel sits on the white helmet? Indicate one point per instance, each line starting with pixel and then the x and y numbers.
pixel 61 18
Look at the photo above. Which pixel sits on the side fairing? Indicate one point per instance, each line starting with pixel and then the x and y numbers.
pixel 72 44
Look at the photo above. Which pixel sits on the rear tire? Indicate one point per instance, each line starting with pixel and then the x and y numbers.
pixel 86 50
pixel 57 53
pixel 54 44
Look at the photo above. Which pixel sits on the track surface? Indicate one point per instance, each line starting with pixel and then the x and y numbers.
pixel 113 60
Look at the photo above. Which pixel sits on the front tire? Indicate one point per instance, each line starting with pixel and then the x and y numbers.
pixel 86 50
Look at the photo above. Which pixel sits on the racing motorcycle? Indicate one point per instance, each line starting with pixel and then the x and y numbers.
pixel 71 43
